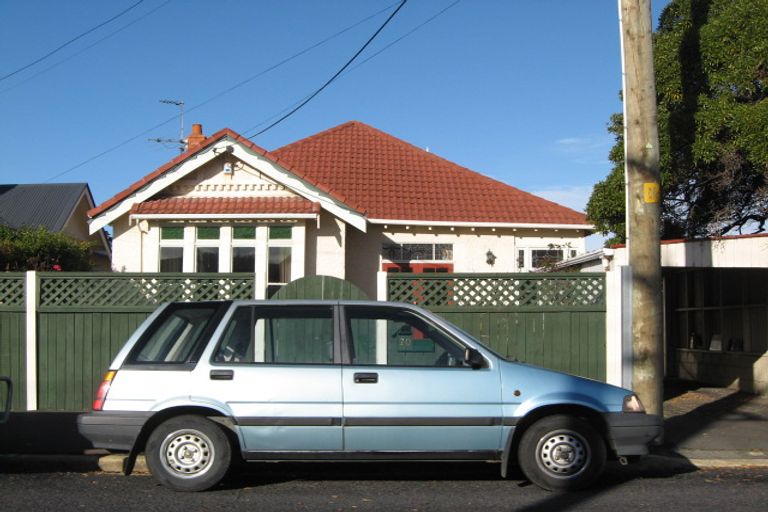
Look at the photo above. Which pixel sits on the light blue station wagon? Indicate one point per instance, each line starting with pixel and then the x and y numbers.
pixel 199 384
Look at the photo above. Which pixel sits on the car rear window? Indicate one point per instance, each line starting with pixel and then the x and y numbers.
pixel 174 336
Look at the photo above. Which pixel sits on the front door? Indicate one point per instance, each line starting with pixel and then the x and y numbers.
pixel 407 388
pixel 277 369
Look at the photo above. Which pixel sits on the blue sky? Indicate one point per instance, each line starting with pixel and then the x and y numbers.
pixel 517 90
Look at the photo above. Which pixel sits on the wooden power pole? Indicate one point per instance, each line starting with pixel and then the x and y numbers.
pixel 641 143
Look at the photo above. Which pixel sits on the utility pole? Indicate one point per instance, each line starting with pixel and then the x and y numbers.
pixel 641 146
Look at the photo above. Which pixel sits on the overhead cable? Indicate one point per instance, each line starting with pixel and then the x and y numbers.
pixel 70 41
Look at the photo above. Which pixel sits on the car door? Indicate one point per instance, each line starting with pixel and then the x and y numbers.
pixel 277 369
pixel 407 388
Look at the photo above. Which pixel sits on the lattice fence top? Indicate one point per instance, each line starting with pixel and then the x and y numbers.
pixel 126 290
pixel 499 290
pixel 12 291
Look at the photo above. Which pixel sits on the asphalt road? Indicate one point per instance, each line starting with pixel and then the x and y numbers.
pixel 367 487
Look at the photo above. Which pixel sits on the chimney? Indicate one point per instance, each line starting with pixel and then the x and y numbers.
pixel 196 137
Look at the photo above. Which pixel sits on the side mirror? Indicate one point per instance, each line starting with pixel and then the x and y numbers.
pixel 474 358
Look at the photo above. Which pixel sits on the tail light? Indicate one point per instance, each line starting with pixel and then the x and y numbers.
pixel 101 393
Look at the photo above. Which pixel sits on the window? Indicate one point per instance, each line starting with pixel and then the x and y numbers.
pixel 417 252
pixel 300 335
pixel 171 259
pixel 243 259
pixel 279 232
pixel 171 249
pixel 172 233
pixel 521 258
pixel 175 335
pixel 543 257
pixel 207 259
pixel 399 338
pixel 207 249
pixel 244 233
pixel 279 270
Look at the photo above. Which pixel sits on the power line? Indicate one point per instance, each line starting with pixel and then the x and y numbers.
pixel 98 41
pixel 70 41
pixel 376 54
pixel 218 95
pixel 335 76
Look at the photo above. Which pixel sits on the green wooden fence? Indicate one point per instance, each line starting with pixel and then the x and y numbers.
pixel 83 319
pixel 12 337
pixel 552 320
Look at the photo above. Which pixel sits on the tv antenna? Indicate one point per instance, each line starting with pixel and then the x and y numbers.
pixel 180 141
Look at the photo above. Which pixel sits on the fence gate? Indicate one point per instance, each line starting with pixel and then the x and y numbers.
pixel 551 320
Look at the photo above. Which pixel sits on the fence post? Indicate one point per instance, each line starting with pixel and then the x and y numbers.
pixel 31 302
pixel 381 286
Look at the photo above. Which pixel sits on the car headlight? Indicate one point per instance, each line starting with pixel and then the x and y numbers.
pixel 632 403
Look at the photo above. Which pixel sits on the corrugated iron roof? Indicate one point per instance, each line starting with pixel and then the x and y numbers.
pixel 33 205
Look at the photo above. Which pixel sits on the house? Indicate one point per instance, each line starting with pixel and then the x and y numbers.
pixel 348 202
pixel 715 296
pixel 58 207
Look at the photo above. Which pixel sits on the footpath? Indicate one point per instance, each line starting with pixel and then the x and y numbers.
pixel 705 428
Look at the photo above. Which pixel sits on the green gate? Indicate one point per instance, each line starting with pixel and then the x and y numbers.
pixel 551 320
pixel 320 287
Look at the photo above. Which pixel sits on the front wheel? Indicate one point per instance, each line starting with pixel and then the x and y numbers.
pixel 560 453
pixel 188 453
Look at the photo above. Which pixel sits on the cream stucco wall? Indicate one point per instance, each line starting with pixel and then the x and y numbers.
pixel 326 252
pixel 470 248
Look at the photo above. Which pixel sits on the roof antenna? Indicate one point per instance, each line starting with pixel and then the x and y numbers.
pixel 180 141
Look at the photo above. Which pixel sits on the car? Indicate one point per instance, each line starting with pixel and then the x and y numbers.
pixel 200 385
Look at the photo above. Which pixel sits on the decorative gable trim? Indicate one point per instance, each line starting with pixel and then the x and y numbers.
pixel 247 154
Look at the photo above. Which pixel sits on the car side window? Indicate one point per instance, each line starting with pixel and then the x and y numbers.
pixel 175 336
pixel 278 335
pixel 387 336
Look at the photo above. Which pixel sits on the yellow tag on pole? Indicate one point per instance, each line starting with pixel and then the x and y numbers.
pixel 651 192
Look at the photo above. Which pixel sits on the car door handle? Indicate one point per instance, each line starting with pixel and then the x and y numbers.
pixel 366 378
pixel 222 374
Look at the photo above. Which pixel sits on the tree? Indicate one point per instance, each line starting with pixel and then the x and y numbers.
pixel 711 60
pixel 40 249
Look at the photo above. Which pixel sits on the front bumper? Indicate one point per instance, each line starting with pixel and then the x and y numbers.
pixel 631 433
pixel 112 430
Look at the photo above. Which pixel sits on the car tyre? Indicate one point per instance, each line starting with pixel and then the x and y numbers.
pixel 561 453
pixel 188 453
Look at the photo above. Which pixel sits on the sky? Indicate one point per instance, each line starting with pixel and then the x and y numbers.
pixel 520 91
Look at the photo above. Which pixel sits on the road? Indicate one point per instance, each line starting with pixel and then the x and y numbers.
pixel 394 487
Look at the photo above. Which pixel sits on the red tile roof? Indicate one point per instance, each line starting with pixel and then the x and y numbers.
pixel 226 205
pixel 386 178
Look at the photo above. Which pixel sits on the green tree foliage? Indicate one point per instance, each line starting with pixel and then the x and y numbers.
pixel 711 60
pixel 40 249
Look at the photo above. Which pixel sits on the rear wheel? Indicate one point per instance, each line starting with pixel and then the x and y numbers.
pixel 188 453
pixel 561 452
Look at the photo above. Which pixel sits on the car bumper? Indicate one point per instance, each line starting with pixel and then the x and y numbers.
pixel 631 433
pixel 112 430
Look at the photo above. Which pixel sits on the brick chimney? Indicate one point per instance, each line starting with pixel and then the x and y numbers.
pixel 196 137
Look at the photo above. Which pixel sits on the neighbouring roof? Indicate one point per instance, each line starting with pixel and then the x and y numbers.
pixel 386 178
pixel 33 205
pixel 226 205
